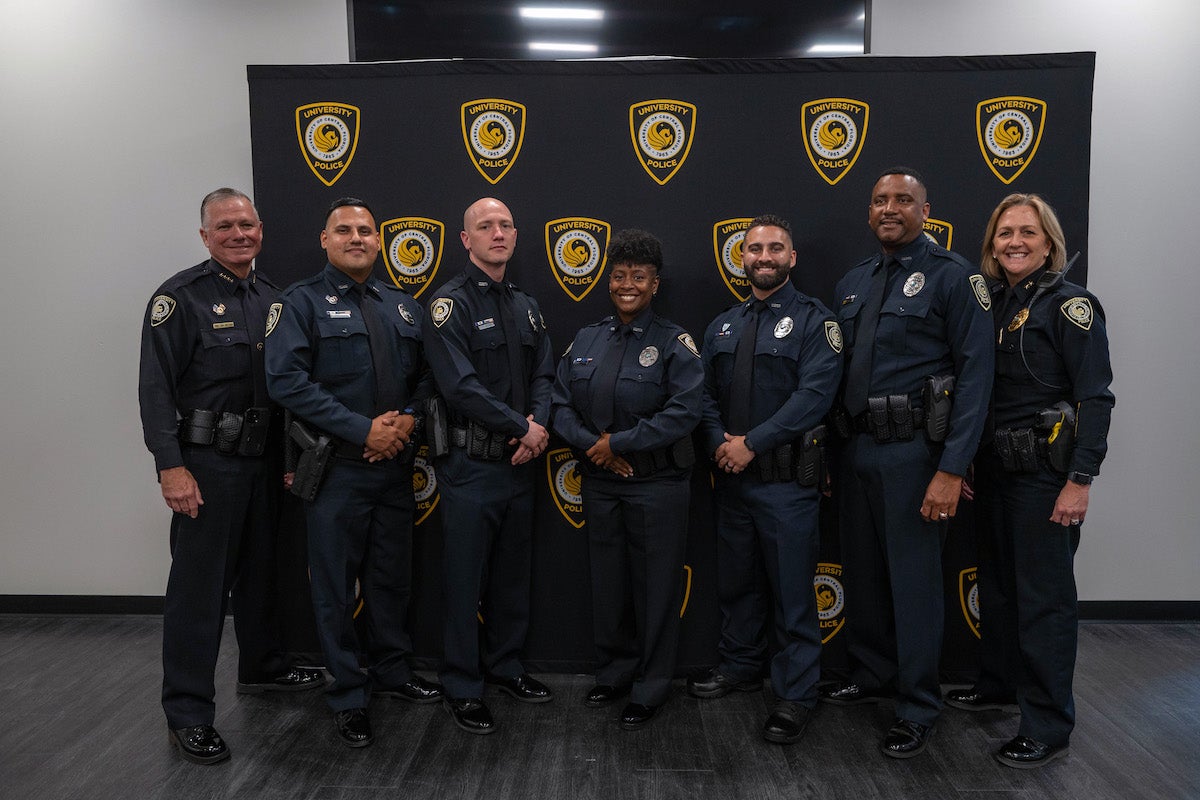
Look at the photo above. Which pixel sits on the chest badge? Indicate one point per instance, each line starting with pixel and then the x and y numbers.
pixel 783 327
pixel 648 357
pixel 914 284
pixel 219 309
pixel 331 299
pixel 1018 319
pixel 405 314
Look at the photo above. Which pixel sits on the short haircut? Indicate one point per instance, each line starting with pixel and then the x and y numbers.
pixel 900 169
pixel 633 246
pixel 341 202
pixel 216 196
pixel 772 220
pixel 1050 226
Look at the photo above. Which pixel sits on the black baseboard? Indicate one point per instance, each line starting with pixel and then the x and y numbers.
pixel 1089 610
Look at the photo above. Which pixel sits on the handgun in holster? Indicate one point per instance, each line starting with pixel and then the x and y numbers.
pixel 313 464
pixel 937 398
pixel 1058 423
pixel 810 466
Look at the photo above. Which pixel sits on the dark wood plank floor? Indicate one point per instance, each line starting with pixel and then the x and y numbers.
pixel 81 719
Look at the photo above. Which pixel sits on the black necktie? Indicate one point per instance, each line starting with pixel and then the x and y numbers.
pixel 512 344
pixel 387 386
pixel 256 328
pixel 604 405
pixel 858 373
pixel 743 372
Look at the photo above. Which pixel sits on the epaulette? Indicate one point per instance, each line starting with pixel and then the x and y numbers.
pixel 185 277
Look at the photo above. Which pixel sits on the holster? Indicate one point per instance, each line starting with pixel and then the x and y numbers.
pixel 1058 423
pixel 313 464
pixel 838 420
pixel 256 423
pixel 811 467
pixel 937 400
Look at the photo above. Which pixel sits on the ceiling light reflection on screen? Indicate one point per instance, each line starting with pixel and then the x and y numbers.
pixel 560 13
pixel 564 47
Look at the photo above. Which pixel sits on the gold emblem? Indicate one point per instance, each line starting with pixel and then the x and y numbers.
pixel 968 597
pixel 687 341
pixel 979 286
pixel 425 490
pixel 728 236
pixel 1009 131
pixel 273 315
pixel 914 284
pixel 493 131
pixel 662 132
pixel 833 333
pixel 834 131
pixel 1079 311
pixel 441 310
pixel 219 309
pixel 939 232
pixel 1018 319
pixel 328 134
pixel 578 251
pixel 412 251
pixel 831 599
pixel 566 484
pixel 161 308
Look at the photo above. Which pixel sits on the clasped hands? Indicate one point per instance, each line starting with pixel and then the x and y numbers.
pixel 390 433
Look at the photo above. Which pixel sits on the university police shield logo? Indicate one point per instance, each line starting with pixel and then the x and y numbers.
pixel 968 597
pixel 834 131
pixel 425 489
pixel 1009 131
pixel 328 135
pixel 662 132
pixel 493 131
pixel 728 236
pixel 939 232
pixel 831 599
pixel 566 484
pixel 577 248
pixel 412 251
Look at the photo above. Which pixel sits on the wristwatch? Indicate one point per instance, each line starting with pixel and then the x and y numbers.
pixel 1080 478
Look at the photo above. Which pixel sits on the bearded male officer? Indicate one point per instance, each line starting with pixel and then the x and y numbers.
pixel 206 419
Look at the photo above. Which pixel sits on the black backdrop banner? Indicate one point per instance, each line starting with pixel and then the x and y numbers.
pixel 689 150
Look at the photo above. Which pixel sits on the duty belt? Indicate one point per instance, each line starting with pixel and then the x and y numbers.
pixel 1020 449
pixel 891 418
pixel 481 444
pixel 229 433
pixel 680 455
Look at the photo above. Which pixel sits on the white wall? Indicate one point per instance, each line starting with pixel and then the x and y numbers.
pixel 1140 541
pixel 117 117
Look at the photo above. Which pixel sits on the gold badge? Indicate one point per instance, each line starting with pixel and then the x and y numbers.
pixel 728 236
pixel 914 284
pixel 273 316
pixel 834 131
pixel 662 132
pixel 412 251
pixel 833 333
pixel 425 489
pixel 566 484
pixel 831 599
pixel 968 597
pixel 441 310
pixel 161 308
pixel 687 341
pixel 577 248
pixel 1018 319
pixel 328 134
pixel 939 232
pixel 979 286
pixel 1079 311
pixel 493 131
pixel 1009 131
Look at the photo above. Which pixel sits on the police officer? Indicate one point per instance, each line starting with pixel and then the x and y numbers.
pixel 205 416
pixel 915 310
pixel 626 398
pixel 772 366
pixel 490 355
pixel 1052 381
pixel 345 358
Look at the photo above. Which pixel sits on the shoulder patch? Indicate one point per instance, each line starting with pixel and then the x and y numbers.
pixel 687 341
pixel 161 308
pixel 981 292
pixel 833 333
pixel 1079 311
pixel 273 316
pixel 441 310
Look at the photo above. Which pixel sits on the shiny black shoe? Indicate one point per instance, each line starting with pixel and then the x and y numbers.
pixel 296 679
pixel 906 739
pixel 602 695
pixel 418 690
pixel 715 683
pixel 787 723
pixel 353 727
pixel 1025 753
pixel 974 700
pixel 199 744
pixel 524 687
pixel 849 694
pixel 470 714
pixel 636 715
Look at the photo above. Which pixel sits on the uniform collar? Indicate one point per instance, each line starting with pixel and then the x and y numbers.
pixel 1025 289
pixel 906 255
pixel 483 282
pixel 228 281
pixel 637 326
pixel 775 302
pixel 344 284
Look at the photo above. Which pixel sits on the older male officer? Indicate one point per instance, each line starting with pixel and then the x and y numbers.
pixel 206 418
pixel 490 354
pixel 918 377
pixel 345 357
pixel 772 366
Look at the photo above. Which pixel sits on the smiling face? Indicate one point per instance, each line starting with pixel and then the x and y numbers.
pixel 632 287
pixel 351 241
pixel 767 258
pixel 1020 245
pixel 232 233
pixel 489 235
pixel 898 211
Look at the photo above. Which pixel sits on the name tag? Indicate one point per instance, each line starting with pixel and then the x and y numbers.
pixel 219 325
pixel 484 324
pixel 338 314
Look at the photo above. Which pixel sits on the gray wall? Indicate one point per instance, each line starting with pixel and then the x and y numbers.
pixel 119 116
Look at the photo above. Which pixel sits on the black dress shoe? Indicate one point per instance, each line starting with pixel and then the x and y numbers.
pixel 906 739
pixel 417 690
pixel 296 679
pixel 602 695
pixel 525 688
pixel 715 683
pixel 199 744
pixel 353 727
pixel 850 694
pixel 974 700
pixel 470 714
pixel 636 715
pixel 1025 753
pixel 787 723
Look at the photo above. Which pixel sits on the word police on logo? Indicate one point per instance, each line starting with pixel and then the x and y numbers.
pixel 835 129
pixel 662 132
pixel 566 484
pixel 412 251
pixel 728 237
pixel 493 131
pixel 1009 131
pixel 328 135
pixel 577 248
